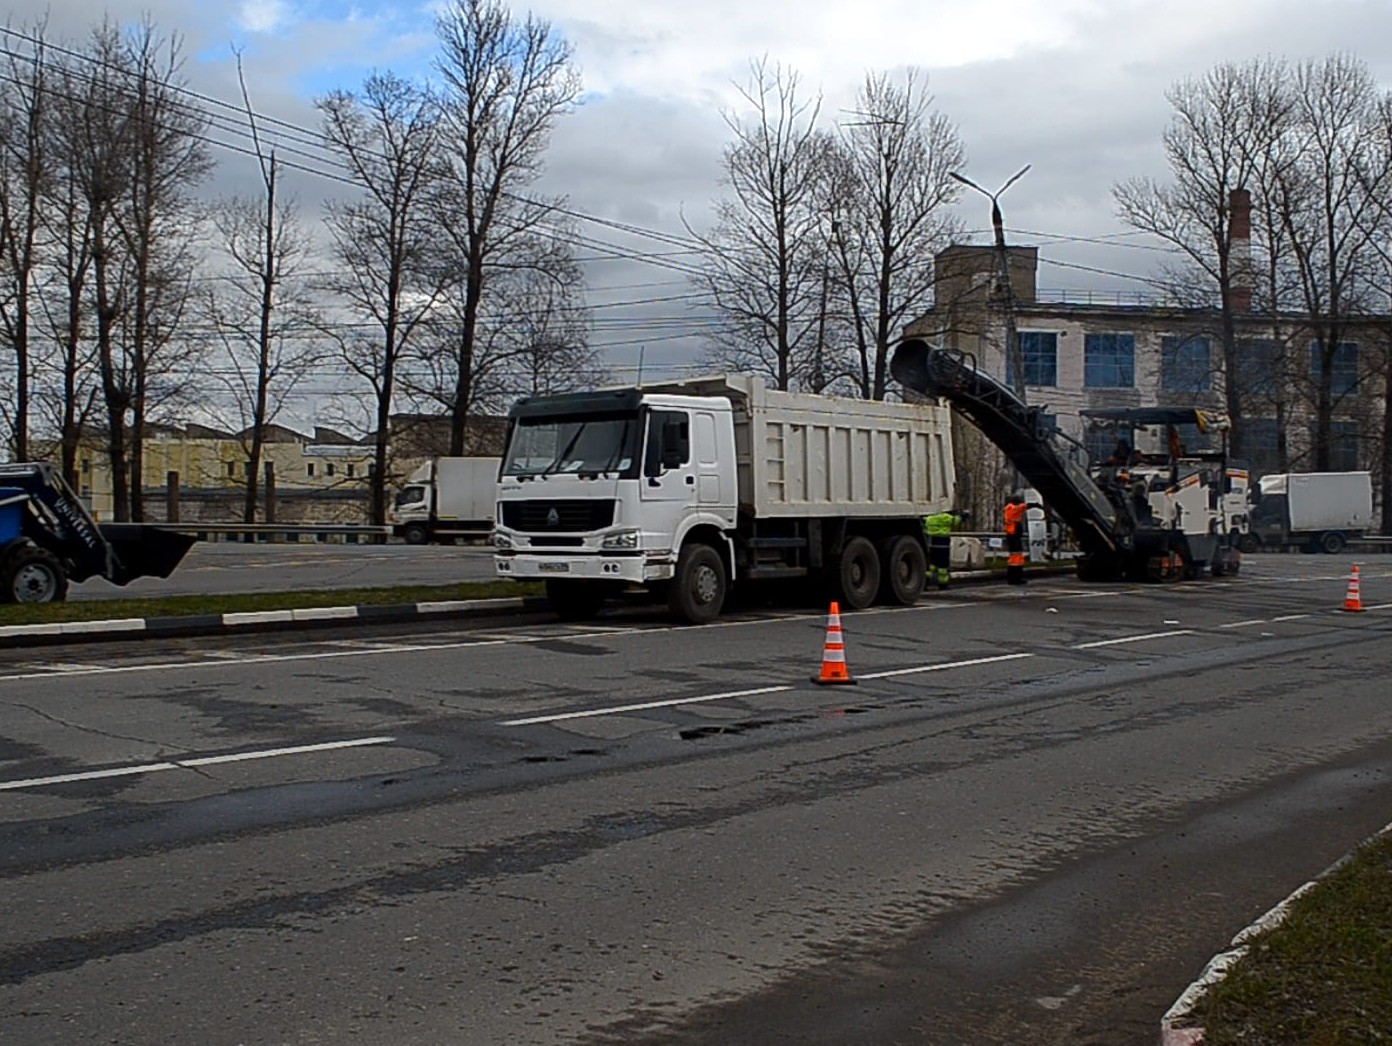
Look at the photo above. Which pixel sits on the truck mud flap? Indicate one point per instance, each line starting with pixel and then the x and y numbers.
pixel 144 551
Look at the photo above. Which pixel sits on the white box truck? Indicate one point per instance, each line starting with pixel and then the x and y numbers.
pixel 1315 511
pixel 685 489
pixel 445 499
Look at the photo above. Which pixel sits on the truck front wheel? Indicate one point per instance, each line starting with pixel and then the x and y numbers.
pixel 698 588
pixel 907 569
pixel 416 534
pixel 33 575
pixel 858 573
pixel 574 600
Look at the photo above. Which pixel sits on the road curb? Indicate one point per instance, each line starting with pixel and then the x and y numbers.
pixel 1174 1029
pixel 55 633
pixel 252 621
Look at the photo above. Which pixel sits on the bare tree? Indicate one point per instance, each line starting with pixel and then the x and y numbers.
pixel 69 395
pixel 1329 210
pixel 765 256
pixel 531 336
pixel 388 138
pixel 506 83
pixel 169 156
pixel 1223 132
pixel 262 313
pixel 899 153
pixel 23 177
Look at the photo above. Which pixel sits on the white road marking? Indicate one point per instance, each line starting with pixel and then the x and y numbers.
pixel 1380 606
pixel 184 764
pixel 780 689
pixel 1134 639
pixel 943 666
pixel 1289 617
pixel 1245 624
pixel 642 706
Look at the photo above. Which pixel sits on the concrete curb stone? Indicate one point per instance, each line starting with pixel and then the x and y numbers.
pixel 1174 1031
pixel 250 621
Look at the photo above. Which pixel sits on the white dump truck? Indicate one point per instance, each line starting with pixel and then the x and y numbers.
pixel 685 489
pixel 445 499
pixel 1314 511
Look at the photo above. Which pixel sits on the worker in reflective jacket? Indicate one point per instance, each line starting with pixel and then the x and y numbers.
pixel 1016 511
pixel 938 528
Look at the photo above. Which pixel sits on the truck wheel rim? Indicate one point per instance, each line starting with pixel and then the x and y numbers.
pixel 706 585
pixel 34 584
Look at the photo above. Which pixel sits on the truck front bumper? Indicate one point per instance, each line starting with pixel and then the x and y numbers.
pixel 634 568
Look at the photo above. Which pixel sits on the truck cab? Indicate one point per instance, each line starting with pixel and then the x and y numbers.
pixel 600 491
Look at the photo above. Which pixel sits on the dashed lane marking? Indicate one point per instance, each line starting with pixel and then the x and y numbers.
pixel 1133 639
pixel 188 764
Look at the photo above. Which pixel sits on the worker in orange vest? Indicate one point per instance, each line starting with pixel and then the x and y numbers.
pixel 1016 510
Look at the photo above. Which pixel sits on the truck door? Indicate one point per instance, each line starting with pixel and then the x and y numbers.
pixel 708 464
pixel 668 473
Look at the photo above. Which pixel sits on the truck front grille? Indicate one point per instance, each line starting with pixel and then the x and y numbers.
pixel 573 516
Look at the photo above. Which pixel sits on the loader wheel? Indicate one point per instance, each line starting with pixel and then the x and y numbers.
pixel 33 575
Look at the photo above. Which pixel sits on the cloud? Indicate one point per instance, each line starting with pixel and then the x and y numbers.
pixel 262 16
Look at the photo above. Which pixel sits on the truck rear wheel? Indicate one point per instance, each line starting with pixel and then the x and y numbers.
pixel 33 575
pixel 858 573
pixel 1332 542
pixel 906 569
pixel 574 600
pixel 698 588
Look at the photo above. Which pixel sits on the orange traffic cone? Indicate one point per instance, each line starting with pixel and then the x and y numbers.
pixel 834 652
pixel 1353 602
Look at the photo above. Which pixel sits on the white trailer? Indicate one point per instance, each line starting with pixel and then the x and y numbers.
pixel 445 499
pixel 1316 511
pixel 684 489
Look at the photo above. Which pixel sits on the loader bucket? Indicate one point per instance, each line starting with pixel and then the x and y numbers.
pixel 144 551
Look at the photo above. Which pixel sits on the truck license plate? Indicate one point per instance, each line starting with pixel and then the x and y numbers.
pixel 554 568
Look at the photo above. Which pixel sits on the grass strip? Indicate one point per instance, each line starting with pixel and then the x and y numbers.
pixel 178 606
pixel 1324 976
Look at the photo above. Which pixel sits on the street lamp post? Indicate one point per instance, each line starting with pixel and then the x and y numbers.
pixel 1003 291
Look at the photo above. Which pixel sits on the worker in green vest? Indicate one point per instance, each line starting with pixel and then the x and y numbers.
pixel 939 527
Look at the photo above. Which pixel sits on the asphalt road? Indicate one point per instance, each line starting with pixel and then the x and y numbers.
pixel 1033 820
pixel 223 567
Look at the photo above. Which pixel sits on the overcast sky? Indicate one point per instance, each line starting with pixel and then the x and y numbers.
pixel 1073 87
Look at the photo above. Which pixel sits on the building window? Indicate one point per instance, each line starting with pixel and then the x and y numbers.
pixel 246 468
pixel 1343 375
pixel 1109 361
pixel 329 468
pixel 1263 447
pixel 352 469
pixel 231 470
pixel 1186 365
pixel 1039 351
pixel 86 466
pixel 1343 446
pixel 1258 367
pixel 372 468
pixel 309 470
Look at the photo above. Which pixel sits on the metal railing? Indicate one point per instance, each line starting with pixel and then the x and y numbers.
pixel 347 533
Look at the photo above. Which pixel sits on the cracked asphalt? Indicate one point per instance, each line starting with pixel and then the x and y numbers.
pixel 1033 820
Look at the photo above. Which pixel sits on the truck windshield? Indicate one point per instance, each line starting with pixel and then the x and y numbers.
pixel 591 445
pixel 412 495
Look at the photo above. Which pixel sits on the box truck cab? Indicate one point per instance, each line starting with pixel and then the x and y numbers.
pixel 686 489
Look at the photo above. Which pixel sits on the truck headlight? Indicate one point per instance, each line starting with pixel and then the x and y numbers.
pixel 501 540
pixel 621 539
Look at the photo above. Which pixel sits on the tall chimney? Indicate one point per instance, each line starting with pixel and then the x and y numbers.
pixel 1240 250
